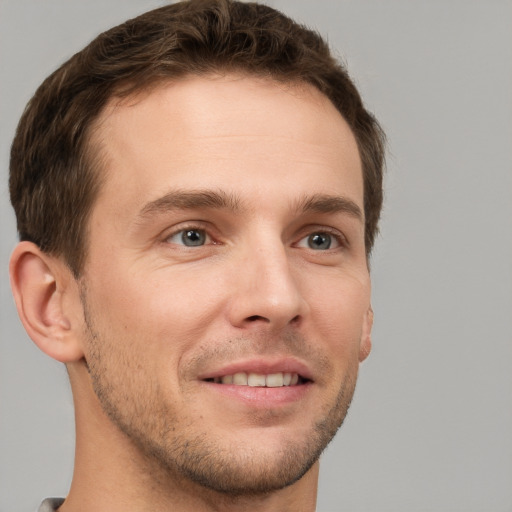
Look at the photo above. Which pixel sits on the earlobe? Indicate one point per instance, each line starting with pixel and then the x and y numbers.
pixel 39 283
pixel 366 338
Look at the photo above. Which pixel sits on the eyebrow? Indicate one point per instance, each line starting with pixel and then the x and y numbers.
pixel 324 203
pixel 192 199
pixel 189 200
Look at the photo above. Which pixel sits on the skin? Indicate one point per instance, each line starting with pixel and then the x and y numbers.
pixel 257 169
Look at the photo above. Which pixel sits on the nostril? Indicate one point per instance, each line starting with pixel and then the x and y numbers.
pixel 255 318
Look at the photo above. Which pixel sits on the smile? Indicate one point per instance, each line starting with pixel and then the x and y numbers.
pixel 261 383
pixel 271 380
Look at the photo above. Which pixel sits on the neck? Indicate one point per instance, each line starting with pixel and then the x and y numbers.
pixel 111 474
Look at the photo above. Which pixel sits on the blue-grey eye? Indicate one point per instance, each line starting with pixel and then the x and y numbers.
pixel 189 237
pixel 193 237
pixel 319 241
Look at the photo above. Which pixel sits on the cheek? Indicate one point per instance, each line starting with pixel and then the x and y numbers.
pixel 338 310
pixel 168 314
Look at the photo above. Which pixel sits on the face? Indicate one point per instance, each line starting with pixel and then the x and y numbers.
pixel 226 291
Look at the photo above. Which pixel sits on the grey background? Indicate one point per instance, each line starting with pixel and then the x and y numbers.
pixel 430 428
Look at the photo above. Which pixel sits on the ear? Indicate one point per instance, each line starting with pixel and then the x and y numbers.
pixel 366 338
pixel 47 298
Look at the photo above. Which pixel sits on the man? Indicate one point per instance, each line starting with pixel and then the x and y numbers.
pixel 197 195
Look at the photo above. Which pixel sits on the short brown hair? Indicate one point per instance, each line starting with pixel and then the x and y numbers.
pixel 53 177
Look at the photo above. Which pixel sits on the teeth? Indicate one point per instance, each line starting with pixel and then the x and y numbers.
pixel 256 379
pixel 240 379
pixel 272 380
pixel 275 380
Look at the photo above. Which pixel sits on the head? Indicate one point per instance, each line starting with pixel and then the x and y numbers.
pixel 210 180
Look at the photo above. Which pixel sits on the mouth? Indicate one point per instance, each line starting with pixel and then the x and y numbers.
pixel 261 383
pixel 260 380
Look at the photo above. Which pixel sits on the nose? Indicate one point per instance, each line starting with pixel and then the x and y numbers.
pixel 266 290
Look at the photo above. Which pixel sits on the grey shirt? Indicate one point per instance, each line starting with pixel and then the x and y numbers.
pixel 50 504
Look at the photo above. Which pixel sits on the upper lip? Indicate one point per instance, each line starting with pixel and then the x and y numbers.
pixel 261 366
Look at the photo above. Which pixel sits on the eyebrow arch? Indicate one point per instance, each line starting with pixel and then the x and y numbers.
pixel 188 200
pixel 324 203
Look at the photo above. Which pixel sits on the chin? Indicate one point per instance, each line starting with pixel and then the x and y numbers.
pixel 251 470
pixel 261 461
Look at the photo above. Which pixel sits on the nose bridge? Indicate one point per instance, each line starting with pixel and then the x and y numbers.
pixel 267 290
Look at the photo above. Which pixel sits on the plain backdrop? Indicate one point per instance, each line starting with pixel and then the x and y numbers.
pixel 430 428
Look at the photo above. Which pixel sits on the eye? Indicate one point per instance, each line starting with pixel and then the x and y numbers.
pixel 319 241
pixel 190 237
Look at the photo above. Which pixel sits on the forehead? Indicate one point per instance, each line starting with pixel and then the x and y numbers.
pixel 240 134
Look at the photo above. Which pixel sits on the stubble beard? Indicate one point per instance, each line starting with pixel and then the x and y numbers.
pixel 175 450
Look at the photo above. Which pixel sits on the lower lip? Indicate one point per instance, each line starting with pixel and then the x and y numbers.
pixel 262 396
